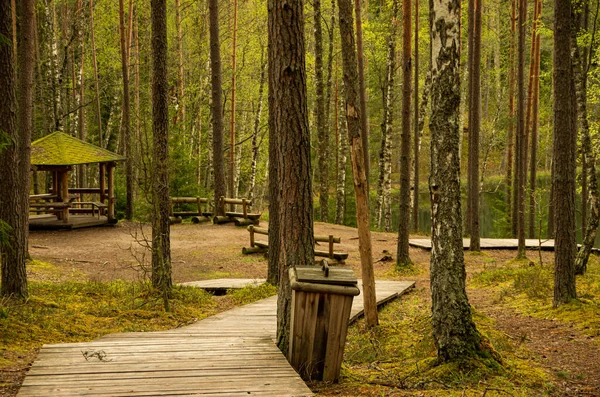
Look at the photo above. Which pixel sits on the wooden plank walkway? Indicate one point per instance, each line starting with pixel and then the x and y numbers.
pixel 231 353
pixel 490 243
pixel 221 285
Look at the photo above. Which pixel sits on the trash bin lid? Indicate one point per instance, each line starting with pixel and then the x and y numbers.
pixel 317 275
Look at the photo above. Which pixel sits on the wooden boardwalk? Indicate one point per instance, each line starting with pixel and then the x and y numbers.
pixel 231 353
pixel 49 222
pixel 221 285
pixel 490 243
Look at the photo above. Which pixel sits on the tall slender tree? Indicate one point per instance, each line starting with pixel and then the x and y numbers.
pixel 216 106
pixel 475 9
pixel 288 116
pixel 232 145
pixel 96 82
pixel 323 174
pixel 454 332
pixel 403 258
pixel 521 142
pixel 416 138
pixel 161 245
pixel 563 173
pixel 355 134
pixel 126 123
pixel 511 190
pixel 364 118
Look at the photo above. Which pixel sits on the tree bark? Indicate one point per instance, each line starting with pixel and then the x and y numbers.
pixel 534 119
pixel 403 258
pixel 384 181
pixel 520 166
pixel 564 157
pixel 364 118
pixel 454 332
pixel 96 83
pixel 255 142
pixel 126 123
pixel 181 111
pixel 417 137
pixel 232 189
pixel 510 181
pixel 359 171
pixel 288 116
pixel 15 147
pixel 474 124
pixel 216 107
pixel 342 158
pixel 161 247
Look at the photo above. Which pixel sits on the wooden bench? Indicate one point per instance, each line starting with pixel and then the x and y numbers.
pixel 89 207
pixel 243 218
pixel 60 209
pixel 197 215
pixel 262 246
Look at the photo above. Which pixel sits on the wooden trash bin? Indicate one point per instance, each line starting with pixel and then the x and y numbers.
pixel 321 303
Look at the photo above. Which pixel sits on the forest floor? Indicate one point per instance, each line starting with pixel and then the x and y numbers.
pixel 511 302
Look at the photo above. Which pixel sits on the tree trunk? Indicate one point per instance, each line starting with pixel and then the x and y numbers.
pixel 359 171
pixel 180 68
pixel 161 247
pixel 416 140
pixel 232 189
pixel 591 217
pixel 255 142
pixel 385 155
pixel 342 158
pixel 510 181
pixel 288 116
pixel 474 124
pixel 564 157
pixel 81 113
pixel 454 332
pixel 216 106
pixel 126 124
pixel 534 119
pixel 520 166
pixel 96 83
pixel 403 259
pixel 364 118
pixel 16 142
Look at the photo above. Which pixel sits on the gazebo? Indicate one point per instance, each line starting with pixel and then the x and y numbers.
pixel 64 207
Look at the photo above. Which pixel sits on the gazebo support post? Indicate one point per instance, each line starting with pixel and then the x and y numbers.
pixel 111 192
pixel 102 182
pixel 65 193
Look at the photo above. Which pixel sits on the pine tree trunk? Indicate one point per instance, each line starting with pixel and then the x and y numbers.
pixel 534 120
pixel 232 146
pixel 14 185
pixel 216 106
pixel 364 118
pixel 510 181
pixel 359 171
pixel 403 259
pixel 96 83
pixel 161 247
pixel 81 113
pixel 520 166
pixel 288 116
pixel 385 153
pixel 454 332
pixel 126 123
pixel 564 157
pixel 342 158
pixel 474 124
pixel 180 68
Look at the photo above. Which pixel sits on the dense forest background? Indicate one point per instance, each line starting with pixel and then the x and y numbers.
pixel 79 90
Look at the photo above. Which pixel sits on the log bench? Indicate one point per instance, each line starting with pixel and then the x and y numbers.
pixel 243 218
pixel 262 245
pixel 89 207
pixel 198 215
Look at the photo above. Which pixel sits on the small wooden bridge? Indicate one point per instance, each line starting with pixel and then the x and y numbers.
pixel 231 354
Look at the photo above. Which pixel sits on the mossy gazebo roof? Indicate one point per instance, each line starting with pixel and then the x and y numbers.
pixel 60 149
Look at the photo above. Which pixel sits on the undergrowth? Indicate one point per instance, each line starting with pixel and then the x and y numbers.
pixel 398 358
pixel 528 289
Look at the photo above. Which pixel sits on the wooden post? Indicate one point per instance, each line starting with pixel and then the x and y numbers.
pixel 222 204
pixel 111 192
pixel 55 184
pixel 251 230
pixel 244 208
pixel 330 246
pixel 199 200
pixel 65 194
pixel 102 182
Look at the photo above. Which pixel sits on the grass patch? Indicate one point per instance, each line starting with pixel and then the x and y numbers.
pixel 399 357
pixel 528 289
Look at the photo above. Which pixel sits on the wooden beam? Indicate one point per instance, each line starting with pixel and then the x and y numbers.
pixel 111 192
pixel 102 182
